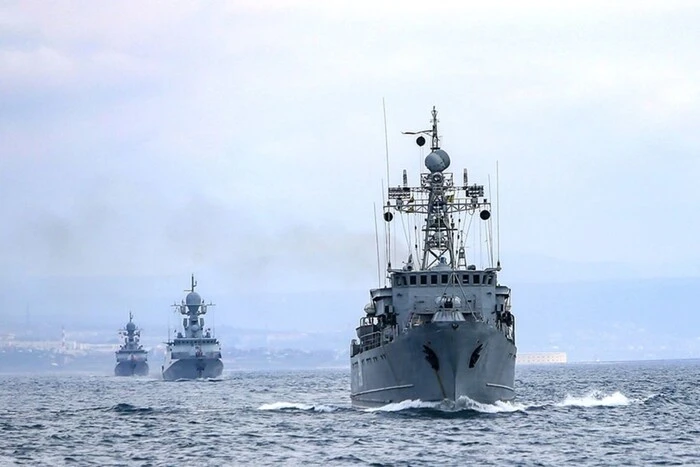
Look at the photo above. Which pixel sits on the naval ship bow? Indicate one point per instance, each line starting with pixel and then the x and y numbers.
pixel 196 353
pixel 441 329
pixel 131 356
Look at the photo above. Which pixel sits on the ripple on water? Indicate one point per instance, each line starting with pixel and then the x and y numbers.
pixel 293 418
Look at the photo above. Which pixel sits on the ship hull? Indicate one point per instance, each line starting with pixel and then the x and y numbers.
pixel 437 362
pixel 193 369
pixel 131 369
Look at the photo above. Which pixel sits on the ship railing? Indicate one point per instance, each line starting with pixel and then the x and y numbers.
pixel 212 354
pixel 370 341
pixel 470 313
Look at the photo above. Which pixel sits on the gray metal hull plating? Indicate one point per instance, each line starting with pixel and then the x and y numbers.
pixel 131 369
pixel 193 368
pixel 436 362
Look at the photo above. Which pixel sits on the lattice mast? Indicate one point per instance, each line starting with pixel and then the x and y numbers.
pixel 440 200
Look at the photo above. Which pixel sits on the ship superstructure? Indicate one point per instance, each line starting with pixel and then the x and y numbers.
pixel 132 358
pixel 441 329
pixel 196 353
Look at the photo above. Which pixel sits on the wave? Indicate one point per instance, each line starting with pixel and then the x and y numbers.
pixel 199 380
pixel 466 406
pixel 463 404
pixel 404 405
pixel 298 406
pixel 595 399
pixel 128 408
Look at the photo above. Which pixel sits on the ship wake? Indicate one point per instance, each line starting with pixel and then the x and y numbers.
pixel 596 399
pixel 462 405
pixel 466 406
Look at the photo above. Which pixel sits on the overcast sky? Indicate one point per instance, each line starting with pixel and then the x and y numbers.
pixel 246 138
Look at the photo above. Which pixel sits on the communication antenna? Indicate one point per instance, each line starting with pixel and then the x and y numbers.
pixel 376 239
pixel 489 231
pixel 388 217
pixel 498 223
pixel 388 184
pixel 213 322
pixel 386 143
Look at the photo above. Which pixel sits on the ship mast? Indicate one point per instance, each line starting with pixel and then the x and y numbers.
pixel 193 307
pixel 438 232
pixel 435 138
pixel 440 199
pixel 192 286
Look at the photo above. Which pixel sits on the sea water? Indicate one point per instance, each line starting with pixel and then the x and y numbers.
pixel 635 413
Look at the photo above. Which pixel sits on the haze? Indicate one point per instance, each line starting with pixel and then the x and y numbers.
pixel 244 142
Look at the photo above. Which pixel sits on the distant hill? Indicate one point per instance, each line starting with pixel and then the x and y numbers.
pixel 610 320
pixel 607 320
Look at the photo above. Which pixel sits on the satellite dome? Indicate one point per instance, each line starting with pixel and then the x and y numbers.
pixel 437 161
pixel 130 326
pixel 193 299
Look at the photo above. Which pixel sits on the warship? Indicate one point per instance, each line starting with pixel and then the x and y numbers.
pixel 131 356
pixel 196 354
pixel 441 329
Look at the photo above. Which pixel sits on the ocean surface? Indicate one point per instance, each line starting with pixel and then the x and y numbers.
pixel 635 413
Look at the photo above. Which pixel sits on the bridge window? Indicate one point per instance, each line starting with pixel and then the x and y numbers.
pixel 444 278
pixel 477 279
pixel 465 279
pixel 412 279
pixel 433 279
pixel 423 280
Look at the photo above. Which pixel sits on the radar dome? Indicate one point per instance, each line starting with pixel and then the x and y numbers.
pixel 193 298
pixel 130 326
pixel 437 161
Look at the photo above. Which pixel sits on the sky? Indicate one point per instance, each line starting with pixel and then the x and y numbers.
pixel 244 140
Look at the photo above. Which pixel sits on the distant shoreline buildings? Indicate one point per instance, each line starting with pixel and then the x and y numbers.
pixel 540 358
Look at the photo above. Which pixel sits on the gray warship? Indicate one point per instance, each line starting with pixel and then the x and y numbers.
pixel 196 353
pixel 132 358
pixel 442 329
